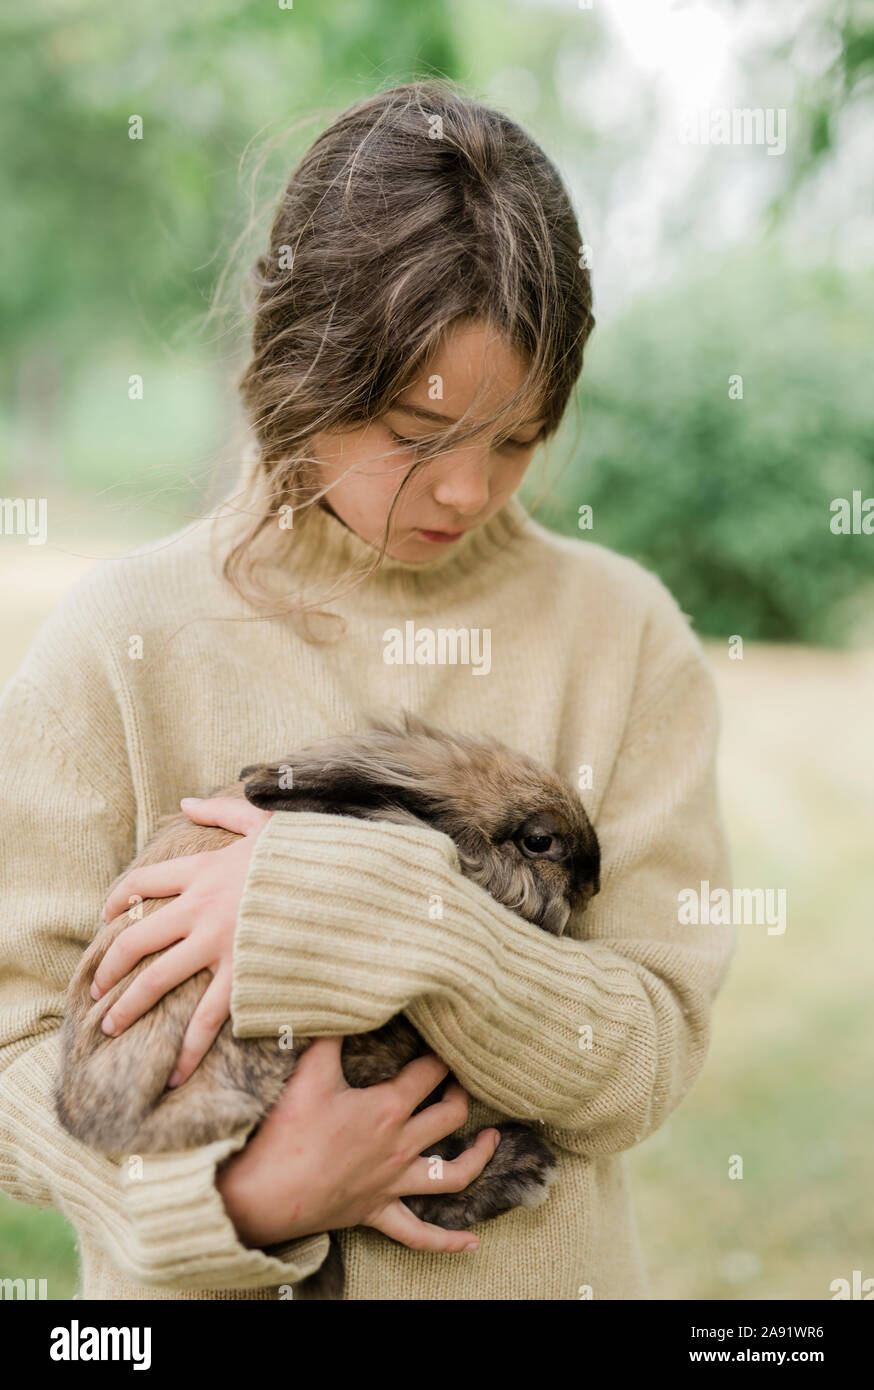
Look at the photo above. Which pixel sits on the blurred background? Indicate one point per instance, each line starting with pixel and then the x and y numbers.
pixel 725 405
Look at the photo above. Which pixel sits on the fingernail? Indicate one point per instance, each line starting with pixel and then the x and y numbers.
pixel 103 914
pixel 107 1025
pixel 497 1134
pixel 175 1078
pixel 95 990
pixel 189 800
pixel 473 1246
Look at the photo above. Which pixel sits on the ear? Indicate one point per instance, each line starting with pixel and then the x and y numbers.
pixel 297 785
pixel 356 774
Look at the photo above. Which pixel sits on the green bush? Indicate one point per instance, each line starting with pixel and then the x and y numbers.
pixel 728 500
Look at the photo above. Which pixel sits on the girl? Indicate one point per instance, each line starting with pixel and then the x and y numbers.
pixel 421 318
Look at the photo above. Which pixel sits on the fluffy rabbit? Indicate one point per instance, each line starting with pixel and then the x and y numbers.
pixel 521 833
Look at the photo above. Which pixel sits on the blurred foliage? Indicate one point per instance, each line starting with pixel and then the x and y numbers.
pixel 115 246
pixel 728 499
pixel 834 46
pixel 38 1244
pixel 100 225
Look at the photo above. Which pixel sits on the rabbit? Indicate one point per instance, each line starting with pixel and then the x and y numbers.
pixel 521 833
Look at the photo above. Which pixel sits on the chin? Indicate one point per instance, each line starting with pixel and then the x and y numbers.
pixel 414 551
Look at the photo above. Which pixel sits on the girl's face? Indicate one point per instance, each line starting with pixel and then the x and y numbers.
pixel 475 371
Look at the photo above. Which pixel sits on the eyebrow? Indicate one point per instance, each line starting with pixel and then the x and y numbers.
pixel 422 414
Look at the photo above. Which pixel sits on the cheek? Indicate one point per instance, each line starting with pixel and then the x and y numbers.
pixel 370 480
pixel 365 451
pixel 507 477
pixel 362 475
pixel 517 470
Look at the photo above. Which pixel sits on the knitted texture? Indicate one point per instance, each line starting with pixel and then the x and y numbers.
pixel 144 686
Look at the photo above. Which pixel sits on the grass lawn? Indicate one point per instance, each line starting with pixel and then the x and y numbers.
pixel 787 1085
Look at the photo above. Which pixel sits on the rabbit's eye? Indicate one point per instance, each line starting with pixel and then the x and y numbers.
pixel 537 844
pixel 542 846
pixel 541 835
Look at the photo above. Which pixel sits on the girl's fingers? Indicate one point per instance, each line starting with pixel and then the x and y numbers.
pixel 178 964
pixel 321 1066
pixel 317 1076
pixel 432 1174
pixel 436 1121
pixel 153 933
pixel 415 1082
pixel 228 812
pixel 398 1222
pixel 164 880
pixel 206 1022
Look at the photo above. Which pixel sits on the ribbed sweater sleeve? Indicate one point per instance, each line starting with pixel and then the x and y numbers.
pixel 598 1034
pixel 66 830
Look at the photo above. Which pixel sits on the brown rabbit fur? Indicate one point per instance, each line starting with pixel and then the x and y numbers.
pixel 520 832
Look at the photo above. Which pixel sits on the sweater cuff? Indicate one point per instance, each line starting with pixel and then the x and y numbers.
pixel 182 1233
pixel 340 924
pixel 158 1218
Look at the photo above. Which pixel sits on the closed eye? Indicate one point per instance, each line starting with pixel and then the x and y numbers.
pixel 519 443
pixel 516 444
pixel 406 443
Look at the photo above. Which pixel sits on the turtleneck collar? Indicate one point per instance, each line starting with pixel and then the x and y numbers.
pixel 323 553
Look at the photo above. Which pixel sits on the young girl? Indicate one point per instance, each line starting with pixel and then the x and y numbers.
pixel 421 317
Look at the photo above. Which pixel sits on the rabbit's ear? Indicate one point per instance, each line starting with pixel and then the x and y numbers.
pixel 389 765
pixel 347 777
pixel 273 786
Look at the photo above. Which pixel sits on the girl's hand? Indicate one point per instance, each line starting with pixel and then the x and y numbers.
pixel 329 1156
pixel 206 890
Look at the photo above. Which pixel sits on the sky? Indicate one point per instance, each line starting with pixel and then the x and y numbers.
pixel 670 66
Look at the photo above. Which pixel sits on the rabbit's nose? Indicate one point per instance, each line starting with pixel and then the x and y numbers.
pixel 586 869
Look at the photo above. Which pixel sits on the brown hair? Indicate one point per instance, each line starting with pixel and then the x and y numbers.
pixel 415 209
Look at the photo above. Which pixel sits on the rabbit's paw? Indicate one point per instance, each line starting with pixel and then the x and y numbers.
pixel 519 1174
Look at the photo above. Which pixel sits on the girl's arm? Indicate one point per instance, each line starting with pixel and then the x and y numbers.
pixel 66 828
pixel 330 925
pixel 344 923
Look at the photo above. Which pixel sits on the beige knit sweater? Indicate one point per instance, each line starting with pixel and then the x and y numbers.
pixel 594 1037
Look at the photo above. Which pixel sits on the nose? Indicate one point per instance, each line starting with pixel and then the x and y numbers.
pixel 462 486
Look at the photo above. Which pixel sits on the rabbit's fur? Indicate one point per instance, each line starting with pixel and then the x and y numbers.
pixel 520 832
